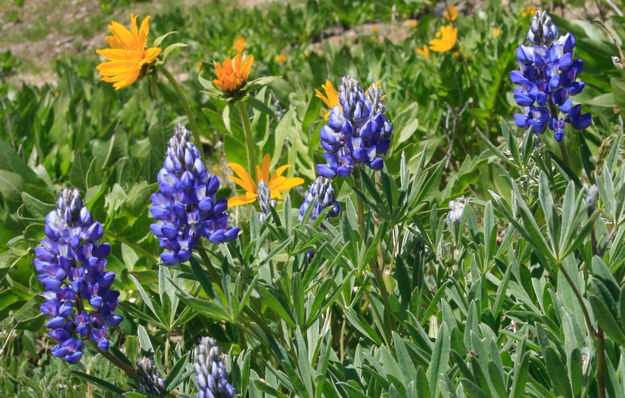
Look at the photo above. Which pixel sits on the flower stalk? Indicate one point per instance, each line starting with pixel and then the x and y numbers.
pixel 185 106
pixel 249 138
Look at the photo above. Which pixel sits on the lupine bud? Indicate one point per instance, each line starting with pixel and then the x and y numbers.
pixel 210 371
pixel 71 266
pixel 150 380
pixel 357 131
pixel 187 208
pixel 456 209
pixel 264 200
pixel 547 79
pixel 542 30
pixel 322 191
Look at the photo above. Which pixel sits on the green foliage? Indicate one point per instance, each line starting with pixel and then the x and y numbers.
pixel 523 296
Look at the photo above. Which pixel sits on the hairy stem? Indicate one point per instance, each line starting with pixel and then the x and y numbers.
pixel 130 371
pixel 249 139
pixel 185 105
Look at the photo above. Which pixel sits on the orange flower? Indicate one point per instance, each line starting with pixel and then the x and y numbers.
pixel 281 58
pixel 411 23
pixel 445 39
pixel 277 182
pixel 451 13
pixel 331 98
pixel 234 72
pixel 239 44
pixel 128 53
pixel 425 52
pixel 375 28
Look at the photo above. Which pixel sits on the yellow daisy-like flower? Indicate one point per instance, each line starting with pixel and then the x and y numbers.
pixel 425 52
pixel 530 11
pixel 495 32
pixel 281 58
pixel 445 39
pixel 234 72
pixel 277 183
pixel 239 44
pixel 331 97
pixel 451 13
pixel 375 28
pixel 128 53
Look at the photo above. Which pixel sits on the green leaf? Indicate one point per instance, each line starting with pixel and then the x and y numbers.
pixel 439 362
pixel 99 382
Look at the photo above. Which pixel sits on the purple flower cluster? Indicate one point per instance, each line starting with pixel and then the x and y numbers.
pixel 547 80
pixel 210 371
pixel 357 131
pixel 322 193
pixel 71 266
pixel 186 208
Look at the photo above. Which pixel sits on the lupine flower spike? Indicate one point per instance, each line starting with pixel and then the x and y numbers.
pixel 547 80
pixel 72 268
pixel 322 192
pixel 150 380
pixel 276 183
pixel 357 131
pixel 129 57
pixel 210 371
pixel 187 208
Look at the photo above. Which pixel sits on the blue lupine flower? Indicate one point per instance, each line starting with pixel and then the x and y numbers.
pixel 72 268
pixel 210 371
pixel 149 377
pixel 357 131
pixel 187 208
pixel 547 80
pixel 322 192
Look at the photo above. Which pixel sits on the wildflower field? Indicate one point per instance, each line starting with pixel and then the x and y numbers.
pixel 321 198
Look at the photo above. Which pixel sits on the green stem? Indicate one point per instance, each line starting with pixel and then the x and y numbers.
pixel 361 209
pixel 601 362
pixel 209 265
pixel 579 298
pixel 130 371
pixel 249 139
pixel 185 105
pixel 564 151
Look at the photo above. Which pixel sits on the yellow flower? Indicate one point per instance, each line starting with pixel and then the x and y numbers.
pixel 451 13
pixel 128 53
pixel 495 32
pixel 530 11
pixel 445 39
pixel 239 44
pixel 281 58
pixel 425 52
pixel 234 72
pixel 331 98
pixel 277 182
pixel 411 23
pixel 306 53
pixel 375 28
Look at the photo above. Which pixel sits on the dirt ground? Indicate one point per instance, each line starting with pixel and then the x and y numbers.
pixel 37 31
